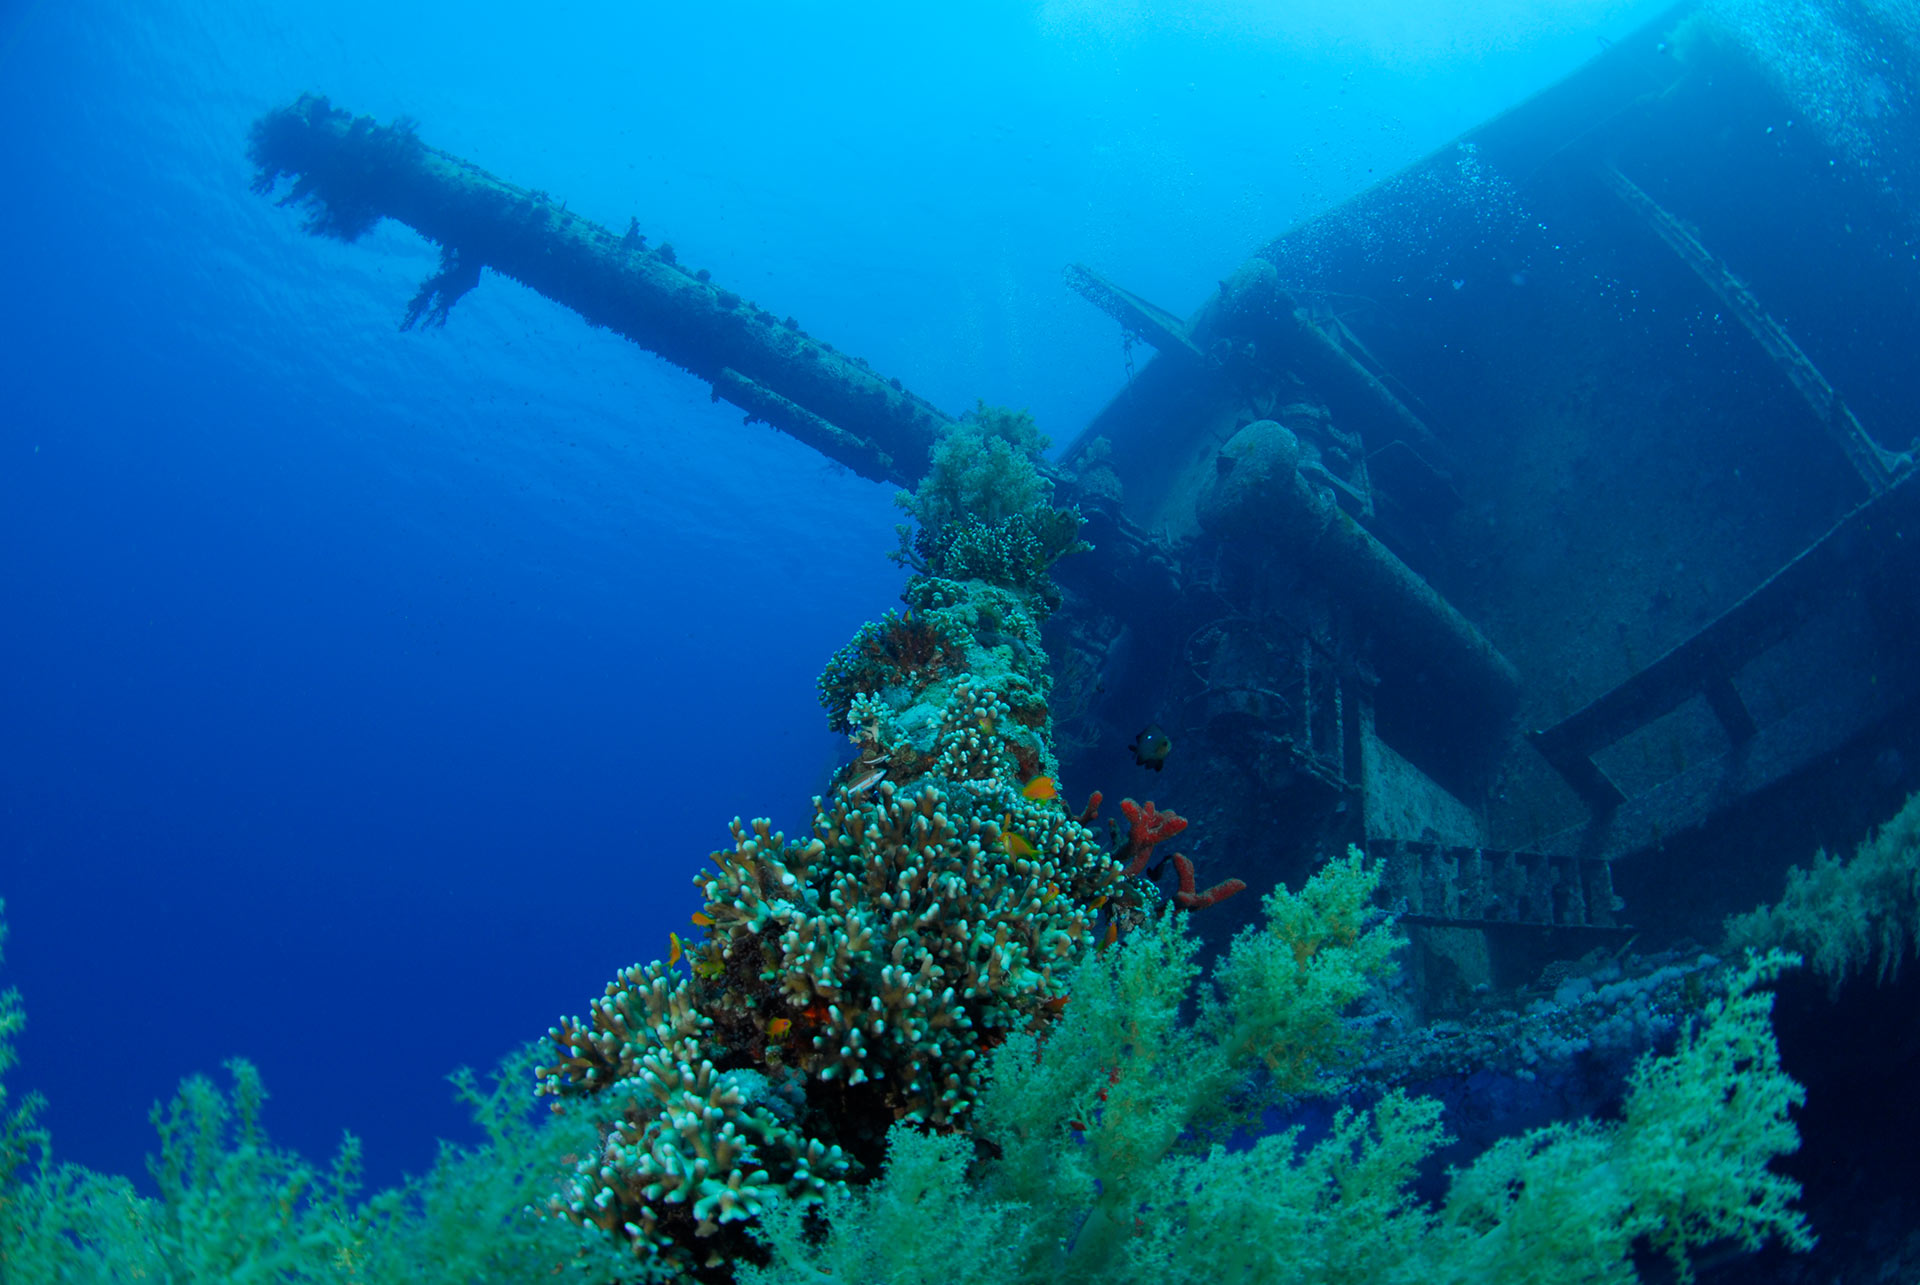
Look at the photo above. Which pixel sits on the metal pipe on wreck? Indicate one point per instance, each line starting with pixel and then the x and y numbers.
pixel 1261 499
pixel 348 172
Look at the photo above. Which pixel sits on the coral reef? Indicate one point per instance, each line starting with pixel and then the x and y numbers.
pixel 692 1148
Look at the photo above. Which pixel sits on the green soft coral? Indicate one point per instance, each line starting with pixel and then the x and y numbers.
pixel 983 467
pixel 1851 916
pixel 232 1206
pixel 1701 1123
pixel 1101 1156
pixel 20 1135
pixel 881 1233
pixel 983 511
pixel 477 1214
pixel 1288 981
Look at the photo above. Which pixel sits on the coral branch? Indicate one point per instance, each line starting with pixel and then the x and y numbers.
pixel 1149 827
pixel 1188 899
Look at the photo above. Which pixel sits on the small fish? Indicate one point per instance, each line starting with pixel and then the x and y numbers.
pixel 709 969
pixel 1040 789
pixel 702 920
pixel 778 1026
pixel 1113 933
pixel 1151 747
pixel 986 725
pixel 1051 892
pixel 1015 845
pixel 1099 901
pixel 673 949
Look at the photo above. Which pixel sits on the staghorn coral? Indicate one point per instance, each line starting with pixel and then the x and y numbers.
pixel 686 1148
pixel 907 935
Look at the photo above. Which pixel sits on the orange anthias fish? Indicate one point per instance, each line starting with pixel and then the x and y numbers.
pixel 673 949
pixel 702 919
pixel 1040 788
pixel 779 1026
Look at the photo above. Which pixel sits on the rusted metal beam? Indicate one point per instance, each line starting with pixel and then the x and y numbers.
pixel 1849 554
pixel 1451 886
pixel 349 172
pixel 1876 465
pixel 1136 316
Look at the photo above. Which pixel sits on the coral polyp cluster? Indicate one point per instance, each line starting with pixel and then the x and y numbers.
pixel 894 652
pixel 911 931
pixel 690 1147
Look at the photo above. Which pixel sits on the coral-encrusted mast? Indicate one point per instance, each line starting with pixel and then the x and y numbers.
pixel 350 172
pixel 861 975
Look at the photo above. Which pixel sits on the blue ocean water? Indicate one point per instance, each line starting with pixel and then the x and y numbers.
pixel 369 697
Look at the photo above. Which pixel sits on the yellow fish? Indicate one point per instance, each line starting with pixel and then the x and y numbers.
pixel 778 1026
pixel 1014 844
pixel 1050 893
pixel 709 968
pixel 986 725
pixel 702 920
pixel 1040 788
pixel 673 949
